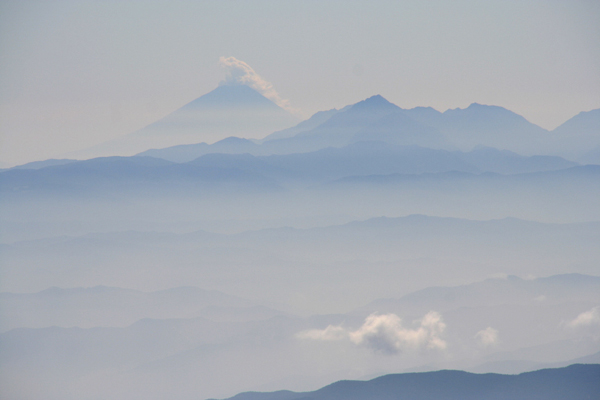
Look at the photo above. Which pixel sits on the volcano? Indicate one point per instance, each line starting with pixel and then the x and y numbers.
pixel 229 110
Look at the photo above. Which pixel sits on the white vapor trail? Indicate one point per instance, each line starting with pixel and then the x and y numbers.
pixel 238 72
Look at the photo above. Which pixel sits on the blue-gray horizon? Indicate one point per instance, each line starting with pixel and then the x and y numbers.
pixel 81 73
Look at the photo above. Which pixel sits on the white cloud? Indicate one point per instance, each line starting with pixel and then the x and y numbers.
pixel 587 318
pixel 385 333
pixel 487 337
pixel 239 73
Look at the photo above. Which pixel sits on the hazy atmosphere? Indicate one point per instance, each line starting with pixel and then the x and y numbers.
pixel 78 73
pixel 204 199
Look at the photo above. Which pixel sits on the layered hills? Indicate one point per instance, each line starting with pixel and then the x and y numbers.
pixel 357 159
pixel 164 339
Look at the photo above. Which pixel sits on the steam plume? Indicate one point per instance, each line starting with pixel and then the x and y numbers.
pixel 238 72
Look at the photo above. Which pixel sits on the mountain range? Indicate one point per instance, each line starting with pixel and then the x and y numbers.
pixel 376 119
pixel 245 170
pixel 238 112
pixel 575 382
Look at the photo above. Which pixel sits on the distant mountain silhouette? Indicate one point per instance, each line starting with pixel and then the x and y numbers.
pixel 575 382
pixel 229 110
pixel 311 123
pixel 188 152
pixel 490 126
pixel 397 128
pixel 229 97
pixel 43 164
pixel 364 158
pixel 373 160
pixel 512 290
pixel 332 128
pixel 479 159
pixel 372 119
pixel 376 119
pixel 583 124
pixel 506 162
pixel 226 111
pixel 128 175
pixel 579 137
pixel 574 175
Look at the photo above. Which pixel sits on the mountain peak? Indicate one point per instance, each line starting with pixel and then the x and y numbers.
pixel 484 112
pixel 228 110
pixel 378 98
pixel 234 140
pixel 232 96
pixel 478 106
pixel 474 107
pixel 587 122
pixel 373 103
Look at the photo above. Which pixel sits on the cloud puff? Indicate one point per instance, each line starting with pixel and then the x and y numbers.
pixel 385 334
pixel 238 72
pixel 587 318
pixel 487 337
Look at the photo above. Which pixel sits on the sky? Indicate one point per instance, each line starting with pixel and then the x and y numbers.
pixel 78 73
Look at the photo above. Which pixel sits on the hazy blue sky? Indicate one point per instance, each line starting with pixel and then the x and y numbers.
pixel 76 73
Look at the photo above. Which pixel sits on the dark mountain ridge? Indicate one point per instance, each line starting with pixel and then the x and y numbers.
pixel 575 382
